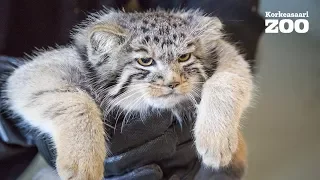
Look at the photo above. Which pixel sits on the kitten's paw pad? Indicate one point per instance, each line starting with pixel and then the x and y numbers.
pixel 216 151
pixel 80 168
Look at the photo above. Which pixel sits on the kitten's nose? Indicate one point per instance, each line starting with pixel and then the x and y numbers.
pixel 172 85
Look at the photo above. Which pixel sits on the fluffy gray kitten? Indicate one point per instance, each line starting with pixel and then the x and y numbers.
pixel 137 62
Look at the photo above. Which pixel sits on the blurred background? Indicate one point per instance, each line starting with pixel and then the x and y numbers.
pixel 282 127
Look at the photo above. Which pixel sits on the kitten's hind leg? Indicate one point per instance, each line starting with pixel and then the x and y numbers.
pixel 46 99
pixel 79 138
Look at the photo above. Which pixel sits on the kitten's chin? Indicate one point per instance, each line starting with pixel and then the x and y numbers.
pixel 166 102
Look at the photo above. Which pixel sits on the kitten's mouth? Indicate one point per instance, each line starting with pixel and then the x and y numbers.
pixel 165 93
pixel 168 95
pixel 166 98
pixel 172 94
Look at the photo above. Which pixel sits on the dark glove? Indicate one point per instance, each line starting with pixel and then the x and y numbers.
pixel 158 144
pixel 158 147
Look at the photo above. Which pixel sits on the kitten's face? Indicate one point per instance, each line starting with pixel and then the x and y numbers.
pixel 160 62
pixel 165 76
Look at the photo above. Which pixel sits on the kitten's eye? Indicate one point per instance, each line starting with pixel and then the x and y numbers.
pixel 184 57
pixel 145 61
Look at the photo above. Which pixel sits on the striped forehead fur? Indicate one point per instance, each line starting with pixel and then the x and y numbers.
pixel 143 21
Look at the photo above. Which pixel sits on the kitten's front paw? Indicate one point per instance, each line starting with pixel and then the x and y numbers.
pixel 74 165
pixel 215 148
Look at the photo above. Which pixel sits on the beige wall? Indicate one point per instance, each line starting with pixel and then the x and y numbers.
pixel 283 130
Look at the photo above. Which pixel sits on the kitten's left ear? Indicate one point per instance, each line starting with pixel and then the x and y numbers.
pixel 99 40
pixel 103 38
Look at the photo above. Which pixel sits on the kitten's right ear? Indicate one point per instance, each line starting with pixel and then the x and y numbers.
pixel 103 38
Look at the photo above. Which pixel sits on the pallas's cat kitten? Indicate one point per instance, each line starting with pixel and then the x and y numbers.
pixel 137 62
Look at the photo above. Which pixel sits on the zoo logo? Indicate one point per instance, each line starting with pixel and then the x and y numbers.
pixel 286 25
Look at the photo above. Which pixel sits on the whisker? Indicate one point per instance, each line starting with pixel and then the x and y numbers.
pixel 105 123
pixel 192 98
pixel 112 106
pixel 132 106
pixel 121 95
pixel 122 100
